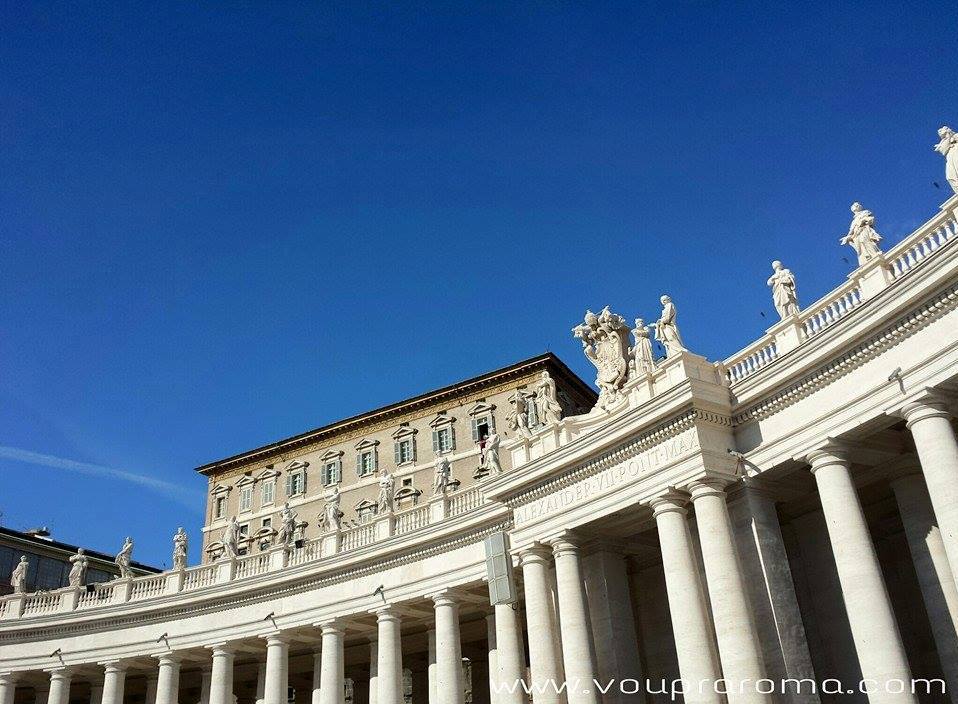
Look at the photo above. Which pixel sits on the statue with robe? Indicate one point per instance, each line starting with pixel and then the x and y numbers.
pixel 490 454
pixel 784 293
pixel 862 236
pixel 642 359
pixel 948 147
pixel 79 564
pixel 442 477
pixel 331 518
pixel 667 329
pixel 124 558
pixel 181 544
pixel 518 418
pixel 548 410
pixel 287 526
pixel 387 485
pixel 18 578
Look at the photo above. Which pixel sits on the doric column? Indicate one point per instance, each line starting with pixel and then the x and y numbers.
pixel 276 683
pixel 510 656
pixel 930 425
pixel 881 654
pixel 432 670
pixel 373 670
pixel 151 683
pixel 541 625
pixel 317 677
pixel 492 652
pixel 60 686
pixel 691 626
pixel 261 683
pixel 114 683
pixel 332 685
pixel 221 676
pixel 389 671
pixel 935 577
pixel 578 651
pixel 168 679
pixel 448 650
pixel 739 649
pixel 8 687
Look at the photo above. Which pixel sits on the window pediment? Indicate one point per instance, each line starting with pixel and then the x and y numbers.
pixel 268 473
pixel 441 420
pixel 407 492
pixel 366 444
pixel 331 455
pixel 246 480
pixel 296 464
pixel 403 432
pixel 482 408
pixel 365 504
pixel 221 490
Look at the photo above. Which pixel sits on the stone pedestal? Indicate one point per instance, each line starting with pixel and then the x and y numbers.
pixel 385 526
pixel 174 582
pixel 332 541
pixel 438 508
pixel 788 334
pixel 121 590
pixel 873 277
pixel 225 569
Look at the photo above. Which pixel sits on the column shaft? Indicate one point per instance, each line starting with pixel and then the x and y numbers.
pixel 114 683
pixel 276 683
pixel 578 651
pixel 168 680
pixel 8 688
pixel 692 629
pixel 739 649
pixel 221 677
pixel 541 625
pixel 935 577
pixel 510 657
pixel 373 671
pixel 59 687
pixel 433 668
pixel 389 671
pixel 317 678
pixel 332 679
pixel 937 447
pixel 448 651
pixel 881 654
pixel 492 652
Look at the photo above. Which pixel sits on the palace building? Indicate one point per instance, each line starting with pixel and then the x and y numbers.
pixel 777 526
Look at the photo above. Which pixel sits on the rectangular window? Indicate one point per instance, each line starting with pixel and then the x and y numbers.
pixel 243 534
pixel 443 440
pixel 220 507
pixel 366 463
pixel 267 523
pixel 482 427
pixel 404 451
pixel 332 473
pixel 246 498
pixel 269 491
pixel 295 483
pixel 368 513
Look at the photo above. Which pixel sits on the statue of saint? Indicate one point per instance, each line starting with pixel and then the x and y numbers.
pixel 18 578
pixel 862 235
pixel 231 538
pixel 440 482
pixel 287 526
pixel 948 147
pixel 124 558
pixel 332 516
pixel 490 454
pixel 667 330
pixel 181 544
pixel 387 484
pixel 642 360
pixel 784 294
pixel 548 410
pixel 518 418
pixel 78 570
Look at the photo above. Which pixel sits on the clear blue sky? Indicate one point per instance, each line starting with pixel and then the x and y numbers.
pixel 220 226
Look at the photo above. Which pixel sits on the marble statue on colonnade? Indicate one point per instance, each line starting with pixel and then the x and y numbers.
pixel 490 454
pixel 443 476
pixel 518 418
pixel 79 563
pixel 387 486
pixel 667 329
pixel 180 549
pixel 548 410
pixel 124 558
pixel 948 147
pixel 231 538
pixel 643 361
pixel 18 578
pixel 287 526
pixel 784 292
pixel 862 236
pixel 605 343
pixel 331 517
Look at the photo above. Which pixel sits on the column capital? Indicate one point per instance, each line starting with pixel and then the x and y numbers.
pixel 9 677
pixel 114 666
pixel 537 553
pixel 61 672
pixel 830 453
pixel 276 639
pixel 670 502
pixel 709 486
pixel 444 597
pixel 565 543
pixel 221 649
pixel 169 658
pixel 332 626
pixel 386 612
pixel 928 405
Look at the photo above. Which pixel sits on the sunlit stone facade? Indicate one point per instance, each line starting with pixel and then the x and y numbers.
pixel 789 513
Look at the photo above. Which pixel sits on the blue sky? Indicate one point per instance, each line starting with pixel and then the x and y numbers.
pixel 224 224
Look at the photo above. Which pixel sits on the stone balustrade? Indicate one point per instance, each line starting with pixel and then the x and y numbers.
pixel 837 304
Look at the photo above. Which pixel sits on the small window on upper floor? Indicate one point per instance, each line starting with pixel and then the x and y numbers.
pixel 332 472
pixel 443 440
pixel 219 510
pixel 366 463
pixel 246 499
pixel 267 522
pixel 296 483
pixel 269 491
pixel 405 451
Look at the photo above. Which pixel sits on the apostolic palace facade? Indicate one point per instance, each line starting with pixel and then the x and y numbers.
pixel 778 526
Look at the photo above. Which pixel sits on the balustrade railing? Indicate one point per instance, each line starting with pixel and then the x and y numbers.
pixel 45 603
pixel 751 359
pixel 311 550
pixel 412 519
pixel 197 577
pixel 358 536
pixel 146 587
pixel 465 500
pixel 927 240
pixel 100 594
pixel 829 310
pixel 251 566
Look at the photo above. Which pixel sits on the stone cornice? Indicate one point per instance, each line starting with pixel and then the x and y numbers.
pixel 925 313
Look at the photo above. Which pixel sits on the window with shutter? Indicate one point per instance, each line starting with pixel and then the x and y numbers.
pixel 475 430
pixel 397 452
pixel 436 447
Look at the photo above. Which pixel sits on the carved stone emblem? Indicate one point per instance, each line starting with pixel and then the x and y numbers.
pixel 605 343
